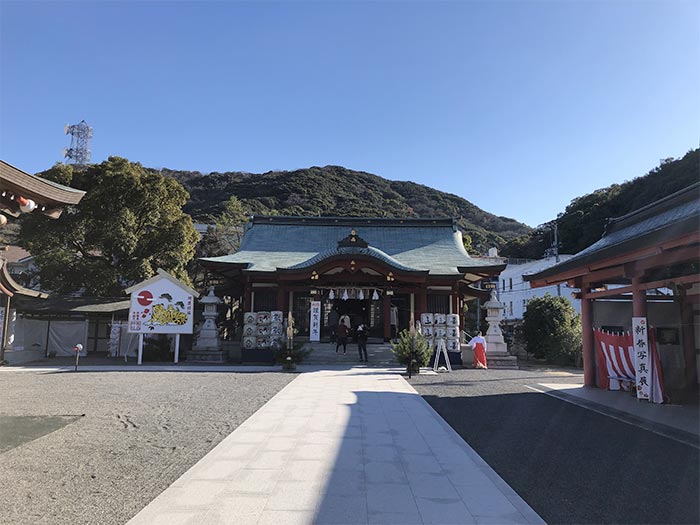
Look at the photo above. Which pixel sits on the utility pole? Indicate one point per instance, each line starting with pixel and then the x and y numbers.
pixel 556 252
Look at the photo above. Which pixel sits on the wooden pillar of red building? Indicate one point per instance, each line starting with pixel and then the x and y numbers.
pixel 247 297
pixel 386 306
pixel 422 302
pixel 281 296
pixel 589 371
pixel 639 298
pixel 688 339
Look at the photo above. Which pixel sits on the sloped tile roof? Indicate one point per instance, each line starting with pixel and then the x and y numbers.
pixel 432 245
pixel 672 216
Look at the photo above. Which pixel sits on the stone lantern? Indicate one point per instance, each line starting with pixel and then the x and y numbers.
pixel 496 348
pixel 494 315
pixel 208 347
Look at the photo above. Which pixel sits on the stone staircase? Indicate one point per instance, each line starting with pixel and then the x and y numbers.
pixel 324 354
pixel 501 361
pixel 495 360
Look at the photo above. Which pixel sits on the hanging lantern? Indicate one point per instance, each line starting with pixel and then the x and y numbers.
pixel 331 294
pixel 345 295
pixel 26 205
pixel 375 296
pixel 361 295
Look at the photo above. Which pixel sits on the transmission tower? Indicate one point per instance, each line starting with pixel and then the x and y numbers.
pixel 79 149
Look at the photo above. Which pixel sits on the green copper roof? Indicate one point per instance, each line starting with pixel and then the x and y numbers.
pixel 432 245
pixel 675 215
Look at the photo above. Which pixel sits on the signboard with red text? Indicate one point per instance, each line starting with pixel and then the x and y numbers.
pixel 160 306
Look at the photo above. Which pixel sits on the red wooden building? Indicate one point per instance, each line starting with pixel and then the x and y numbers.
pixel 646 264
pixel 364 267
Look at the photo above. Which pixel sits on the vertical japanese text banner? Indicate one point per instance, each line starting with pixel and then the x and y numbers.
pixel 642 357
pixel 315 321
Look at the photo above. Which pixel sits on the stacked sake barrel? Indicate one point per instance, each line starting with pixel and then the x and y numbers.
pixel 452 333
pixel 437 327
pixel 427 322
pixel 262 329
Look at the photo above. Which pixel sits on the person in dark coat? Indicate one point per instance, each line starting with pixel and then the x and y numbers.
pixel 333 317
pixel 362 335
pixel 342 337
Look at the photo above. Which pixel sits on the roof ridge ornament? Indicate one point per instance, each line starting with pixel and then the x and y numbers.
pixel 353 241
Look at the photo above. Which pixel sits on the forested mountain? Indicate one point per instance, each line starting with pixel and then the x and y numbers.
pixel 337 191
pixel 583 221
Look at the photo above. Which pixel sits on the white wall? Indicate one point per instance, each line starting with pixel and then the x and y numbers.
pixel 514 292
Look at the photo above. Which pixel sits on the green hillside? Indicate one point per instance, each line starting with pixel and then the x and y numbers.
pixel 583 221
pixel 334 190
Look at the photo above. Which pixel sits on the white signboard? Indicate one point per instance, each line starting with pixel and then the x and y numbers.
pixel 315 321
pixel 160 307
pixel 642 357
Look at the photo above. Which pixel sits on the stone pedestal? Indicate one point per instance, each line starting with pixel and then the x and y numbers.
pixel 497 355
pixel 207 347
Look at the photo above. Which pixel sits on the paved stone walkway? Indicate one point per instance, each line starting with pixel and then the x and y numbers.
pixel 341 446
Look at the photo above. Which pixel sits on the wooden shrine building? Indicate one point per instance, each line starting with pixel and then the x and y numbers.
pixel 381 272
pixel 646 264
pixel 20 193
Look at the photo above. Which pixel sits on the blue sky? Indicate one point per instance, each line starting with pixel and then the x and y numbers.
pixel 517 106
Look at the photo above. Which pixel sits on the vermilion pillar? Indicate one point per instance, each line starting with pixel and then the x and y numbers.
pixel 589 371
pixel 387 316
pixel 281 292
pixel 639 298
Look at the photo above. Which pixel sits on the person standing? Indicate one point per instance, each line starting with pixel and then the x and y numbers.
pixel 342 337
pixel 345 319
pixel 362 335
pixel 478 343
pixel 333 323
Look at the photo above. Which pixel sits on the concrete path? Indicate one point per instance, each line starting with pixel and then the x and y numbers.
pixel 679 422
pixel 341 446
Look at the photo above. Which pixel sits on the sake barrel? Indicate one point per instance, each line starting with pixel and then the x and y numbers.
pixel 277 316
pixel 277 329
pixel 440 318
pixel 250 318
pixel 452 344
pixel 250 342
pixel 452 320
pixel 430 341
pixel 453 332
pixel 263 330
pixel 426 319
pixel 440 331
pixel 428 331
pixel 263 342
pixel 263 317
pixel 250 329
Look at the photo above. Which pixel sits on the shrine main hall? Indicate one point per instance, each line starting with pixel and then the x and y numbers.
pixel 380 272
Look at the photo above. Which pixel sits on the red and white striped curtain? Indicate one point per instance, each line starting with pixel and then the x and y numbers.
pixel 616 359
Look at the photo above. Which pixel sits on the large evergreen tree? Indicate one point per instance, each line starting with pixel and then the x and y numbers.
pixel 552 330
pixel 129 224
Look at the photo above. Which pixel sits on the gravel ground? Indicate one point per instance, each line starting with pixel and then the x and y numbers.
pixel 126 436
pixel 571 465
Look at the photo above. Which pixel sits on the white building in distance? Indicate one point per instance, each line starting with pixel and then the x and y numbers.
pixel 514 292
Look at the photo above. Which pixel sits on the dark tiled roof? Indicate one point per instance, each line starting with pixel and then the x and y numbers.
pixel 424 245
pixel 38 188
pixel 74 305
pixel 675 215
